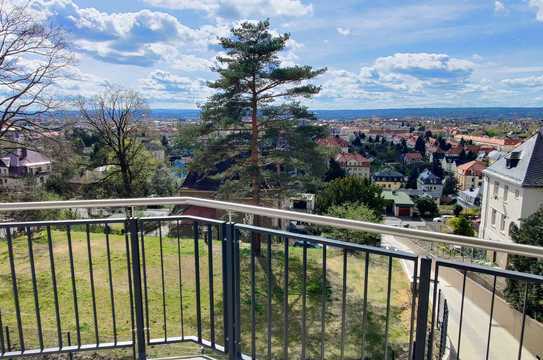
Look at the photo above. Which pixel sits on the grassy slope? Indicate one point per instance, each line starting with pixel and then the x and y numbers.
pixel 400 304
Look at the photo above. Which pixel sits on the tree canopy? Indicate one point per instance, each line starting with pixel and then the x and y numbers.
pixel 253 122
pixel 426 206
pixel 350 189
pixel 529 233
pixel 353 211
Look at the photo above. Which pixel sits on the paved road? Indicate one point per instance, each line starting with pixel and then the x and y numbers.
pixel 475 320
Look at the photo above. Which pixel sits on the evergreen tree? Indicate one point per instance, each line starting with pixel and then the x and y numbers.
pixel 334 171
pixel 253 123
pixel 420 145
pixel 449 185
pixel 266 140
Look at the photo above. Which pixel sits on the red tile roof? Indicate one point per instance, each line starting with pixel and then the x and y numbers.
pixel 472 168
pixel 344 157
pixel 413 156
pixel 333 142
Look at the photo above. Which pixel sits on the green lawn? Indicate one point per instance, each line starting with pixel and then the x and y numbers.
pixel 400 301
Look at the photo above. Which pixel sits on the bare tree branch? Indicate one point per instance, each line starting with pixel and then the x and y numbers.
pixel 112 116
pixel 33 57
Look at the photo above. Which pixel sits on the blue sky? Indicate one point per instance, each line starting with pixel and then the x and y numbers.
pixel 379 54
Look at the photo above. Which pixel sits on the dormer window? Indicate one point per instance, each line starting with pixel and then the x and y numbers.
pixel 512 159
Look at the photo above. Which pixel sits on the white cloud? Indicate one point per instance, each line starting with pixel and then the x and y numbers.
pixel 524 82
pixel 237 8
pixel 134 38
pixel 538 5
pixel 343 31
pixel 164 86
pixel 499 6
pixel 403 77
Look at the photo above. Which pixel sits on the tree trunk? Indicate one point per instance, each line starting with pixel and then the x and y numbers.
pixel 257 221
pixel 127 182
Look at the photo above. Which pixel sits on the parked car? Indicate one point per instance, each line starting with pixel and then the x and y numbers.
pixel 442 218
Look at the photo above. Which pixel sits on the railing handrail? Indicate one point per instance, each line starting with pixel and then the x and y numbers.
pixel 424 235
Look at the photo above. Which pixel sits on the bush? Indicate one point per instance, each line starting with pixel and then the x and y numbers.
pixel 462 226
pixel 354 211
pixel 350 189
pixel 427 207
pixel 529 233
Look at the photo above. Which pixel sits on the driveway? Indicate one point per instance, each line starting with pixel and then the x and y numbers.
pixel 475 322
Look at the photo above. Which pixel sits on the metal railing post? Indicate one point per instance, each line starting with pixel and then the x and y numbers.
pixel 139 347
pixel 422 309
pixel 230 293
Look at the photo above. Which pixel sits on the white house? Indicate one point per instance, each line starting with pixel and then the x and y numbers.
pixel 22 164
pixel 430 185
pixel 513 190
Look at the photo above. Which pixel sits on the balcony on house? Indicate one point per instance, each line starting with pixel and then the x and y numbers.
pixel 166 286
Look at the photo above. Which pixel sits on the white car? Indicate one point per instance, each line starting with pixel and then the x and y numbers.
pixel 442 218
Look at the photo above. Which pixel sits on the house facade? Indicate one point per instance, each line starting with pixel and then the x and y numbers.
pixel 388 179
pixel 21 165
pixel 431 185
pixel 470 175
pixel 354 164
pixel 334 144
pixel 513 190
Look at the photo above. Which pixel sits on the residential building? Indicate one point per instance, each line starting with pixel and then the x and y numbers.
pixel 398 203
pixel 470 175
pixel 513 190
pixel 354 164
pixel 412 157
pixel 334 144
pixel 501 144
pixel 430 185
pixel 389 179
pixel 470 198
pixel 23 164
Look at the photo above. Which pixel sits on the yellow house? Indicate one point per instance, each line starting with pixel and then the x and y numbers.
pixel 470 175
pixel 388 179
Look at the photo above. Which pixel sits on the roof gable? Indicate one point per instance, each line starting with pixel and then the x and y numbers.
pixel 529 169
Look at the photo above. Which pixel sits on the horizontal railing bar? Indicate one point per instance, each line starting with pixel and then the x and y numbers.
pixel 510 274
pixel 66 349
pixel 107 221
pixel 335 243
pixel 183 217
pixel 424 235
pixel 64 222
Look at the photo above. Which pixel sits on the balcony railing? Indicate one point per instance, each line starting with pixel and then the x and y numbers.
pixel 241 290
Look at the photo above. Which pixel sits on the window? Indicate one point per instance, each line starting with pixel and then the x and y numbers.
pixel 502 222
pixel 496 188
pixel 493 218
pixel 517 194
pixel 505 192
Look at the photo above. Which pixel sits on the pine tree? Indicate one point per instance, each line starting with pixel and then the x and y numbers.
pixel 420 145
pixel 254 123
pixel 246 123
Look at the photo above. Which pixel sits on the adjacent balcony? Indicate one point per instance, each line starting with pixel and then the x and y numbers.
pixel 173 286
